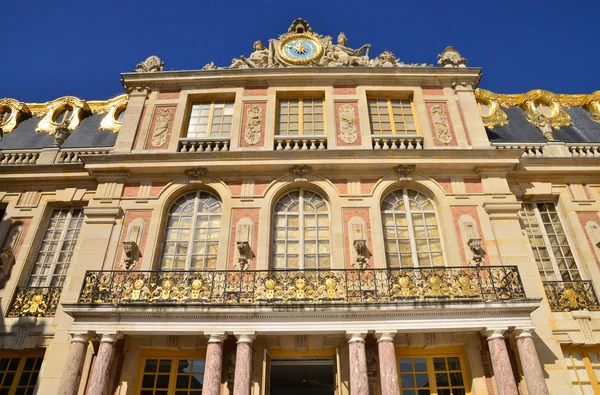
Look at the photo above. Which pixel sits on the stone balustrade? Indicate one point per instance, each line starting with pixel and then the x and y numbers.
pixel 584 150
pixel 397 142
pixel 299 143
pixel 529 150
pixel 204 145
pixel 73 156
pixel 19 157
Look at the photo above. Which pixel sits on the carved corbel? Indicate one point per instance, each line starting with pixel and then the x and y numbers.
pixel 132 254
pixel 475 245
pixel 362 253
pixel 405 172
pixel 300 173
pixel 196 174
pixel 243 236
pixel 244 254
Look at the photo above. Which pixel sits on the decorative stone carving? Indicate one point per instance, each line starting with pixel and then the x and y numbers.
pixel 253 129
pixel 132 253
pixel 405 172
pixel 362 253
pixel 440 124
pixel 244 253
pixel 341 55
pixel 544 125
pixel 210 66
pixel 348 124
pixel 61 134
pixel 161 127
pixel 150 65
pixel 451 58
pixel 475 245
pixel 258 59
pixel 385 59
pixel 196 174
pixel 300 173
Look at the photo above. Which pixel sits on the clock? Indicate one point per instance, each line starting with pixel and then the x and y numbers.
pixel 300 49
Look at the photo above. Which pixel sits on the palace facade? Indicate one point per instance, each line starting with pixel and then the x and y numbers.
pixel 310 219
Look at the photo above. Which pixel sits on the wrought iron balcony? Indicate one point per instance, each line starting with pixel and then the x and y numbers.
pixel 35 302
pixel 571 295
pixel 301 286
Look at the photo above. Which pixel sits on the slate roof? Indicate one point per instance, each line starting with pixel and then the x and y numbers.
pixel 87 134
pixel 520 130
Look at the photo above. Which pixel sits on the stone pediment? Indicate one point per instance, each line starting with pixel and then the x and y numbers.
pixel 300 46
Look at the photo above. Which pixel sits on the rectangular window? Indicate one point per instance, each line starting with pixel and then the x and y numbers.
pixel 431 375
pixel 391 116
pixel 301 117
pixel 172 376
pixel 584 370
pixel 56 251
pixel 553 255
pixel 210 119
pixel 19 373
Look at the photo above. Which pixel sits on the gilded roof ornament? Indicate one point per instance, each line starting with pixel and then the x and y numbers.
pixel 451 58
pixel 114 107
pixel 592 103
pixel 496 116
pixel 150 65
pixel 532 99
pixel 15 112
pixel 76 109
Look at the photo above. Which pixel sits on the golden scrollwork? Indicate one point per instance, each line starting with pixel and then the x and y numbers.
pixel 18 112
pixel 497 117
pixel 51 110
pixel 571 295
pixel 35 302
pixel 113 108
pixel 301 286
pixel 531 99
pixel 592 103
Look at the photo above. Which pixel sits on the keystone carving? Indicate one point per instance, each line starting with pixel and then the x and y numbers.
pixel 440 124
pixel 150 65
pixel 61 134
pixel 300 173
pixel 196 174
pixel 405 172
pixel 451 58
pixel 161 127
pixel 254 120
pixel 348 124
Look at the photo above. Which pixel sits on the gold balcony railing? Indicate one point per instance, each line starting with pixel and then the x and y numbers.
pixel 301 286
pixel 35 302
pixel 571 295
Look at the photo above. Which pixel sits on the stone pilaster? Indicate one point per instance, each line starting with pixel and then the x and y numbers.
pixel 388 371
pixel 71 378
pixel 359 378
pixel 505 380
pixel 104 362
pixel 530 363
pixel 243 365
pixel 214 365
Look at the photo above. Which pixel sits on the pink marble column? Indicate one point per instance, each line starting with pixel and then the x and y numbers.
pixel 532 368
pixel 242 381
pixel 71 378
pixel 359 378
pixel 214 365
pixel 103 365
pixel 388 371
pixel 505 380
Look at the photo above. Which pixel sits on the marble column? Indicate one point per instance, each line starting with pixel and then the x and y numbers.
pixel 71 377
pixel 214 365
pixel 359 377
pixel 530 363
pixel 503 374
pixel 388 371
pixel 242 381
pixel 103 365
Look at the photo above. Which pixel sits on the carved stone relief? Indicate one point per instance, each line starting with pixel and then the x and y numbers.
pixel 151 64
pixel 161 127
pixel 451 58
pixel 440 124
pixel 348 124
pixel 253 129
pixel 405 172
pixel 544 125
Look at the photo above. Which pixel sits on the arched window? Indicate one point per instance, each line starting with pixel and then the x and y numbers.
pixel 301 232
pixel 412 236
pixel 192 236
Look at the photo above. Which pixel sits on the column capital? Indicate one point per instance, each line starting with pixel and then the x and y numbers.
pixel 494 333
pixel 245 337
pixel 216 337
pixel 79 337
pixel 356 336
pixel 524 332
pixel 111 337
pixel 385 336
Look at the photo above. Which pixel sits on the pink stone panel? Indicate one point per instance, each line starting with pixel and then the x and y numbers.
pixel 446 184
pixel 341 142
pixel 584 218
pixel 344 90
pixel 473 185
pixel 458 212
pixel 260 186
pixel 235 187
pixel 130 215
pixel 236 215
pixel 462 119
pixel 436 142
pixel 165 95
pixel 157 109
pixel 261 142
pixel 256 91
pixel 341 186
pixel 131 190
pixel 363 213
pixel 139 128
pixel 368 185
pixel 157 188
pixel 433 90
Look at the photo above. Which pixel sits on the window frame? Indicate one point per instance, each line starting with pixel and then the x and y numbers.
pixel 210 118
pixel 175 357
pixel 411 230
pixel 58 250
pixel 301 238
pixel 301 133
pixel 193 230
pixel 22 355
pixel 390 113
pixel 548 245
pixel 589 368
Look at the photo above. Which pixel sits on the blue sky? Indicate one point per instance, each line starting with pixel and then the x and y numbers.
pixel 78 48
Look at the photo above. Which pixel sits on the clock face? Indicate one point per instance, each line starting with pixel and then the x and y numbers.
pixel 300 49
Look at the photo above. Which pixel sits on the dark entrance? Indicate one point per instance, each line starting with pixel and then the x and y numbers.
pixel 302 376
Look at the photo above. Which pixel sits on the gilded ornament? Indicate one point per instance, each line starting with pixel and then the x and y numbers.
pixel 161 127
pixel 440 124
pixel 253 129
pixel 113 108
pixel 559 117
pixel 47 124
pixel 348 124
pixel 497 117
pixel 18 112
pixel 592 103
pixel 571 295
pixel 35 302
